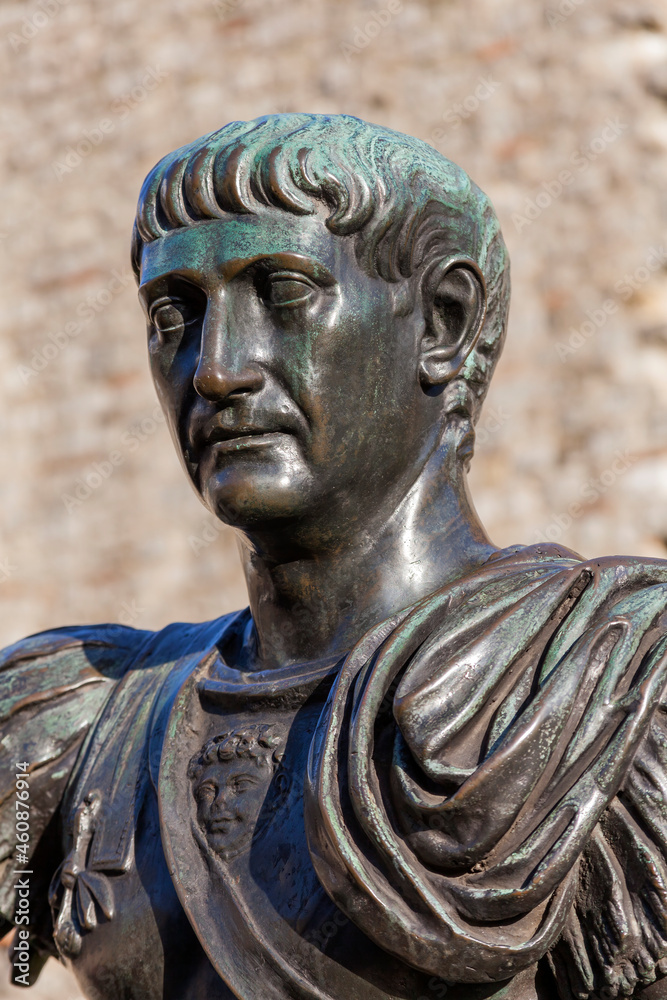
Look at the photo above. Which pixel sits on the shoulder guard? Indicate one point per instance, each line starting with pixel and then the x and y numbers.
pixel 52 687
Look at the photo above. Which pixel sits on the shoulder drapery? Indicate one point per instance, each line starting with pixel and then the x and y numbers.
pixel 489 788
pixel 52 687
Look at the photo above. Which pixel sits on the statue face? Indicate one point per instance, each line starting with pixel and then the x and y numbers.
pixel 229 796
pixel 290 386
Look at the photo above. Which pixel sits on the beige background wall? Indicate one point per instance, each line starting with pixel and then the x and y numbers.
pixel 574 434
pixel 517 92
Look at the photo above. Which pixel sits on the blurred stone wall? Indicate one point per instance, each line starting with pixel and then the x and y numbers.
pixel 557 110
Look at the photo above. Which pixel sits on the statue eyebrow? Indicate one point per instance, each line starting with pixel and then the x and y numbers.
pixel 159 286
pixel 282 261
pixel 279 261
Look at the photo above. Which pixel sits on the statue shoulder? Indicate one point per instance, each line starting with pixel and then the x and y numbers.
pixel 504 745
pixel 53 685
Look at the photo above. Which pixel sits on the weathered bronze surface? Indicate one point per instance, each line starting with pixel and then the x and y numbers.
pixel 416 766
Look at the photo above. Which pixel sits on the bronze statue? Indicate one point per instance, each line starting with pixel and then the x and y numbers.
pixel 416 765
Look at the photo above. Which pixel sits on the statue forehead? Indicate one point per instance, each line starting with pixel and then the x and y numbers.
pixel 208 247
pixel 235 764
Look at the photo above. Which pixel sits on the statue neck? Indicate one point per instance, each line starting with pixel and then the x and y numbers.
pixel 311 605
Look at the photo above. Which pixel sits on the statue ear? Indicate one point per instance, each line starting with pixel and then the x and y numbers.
pixel 454 303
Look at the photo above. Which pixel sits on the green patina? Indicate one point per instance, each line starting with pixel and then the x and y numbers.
pixel 405 205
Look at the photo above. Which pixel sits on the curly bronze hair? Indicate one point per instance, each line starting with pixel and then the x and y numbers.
pixel 261 744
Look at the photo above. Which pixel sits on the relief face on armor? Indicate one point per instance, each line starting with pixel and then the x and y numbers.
pixel 231 778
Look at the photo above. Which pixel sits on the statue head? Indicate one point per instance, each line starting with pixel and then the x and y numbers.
pixel 326 302
pixel 231 776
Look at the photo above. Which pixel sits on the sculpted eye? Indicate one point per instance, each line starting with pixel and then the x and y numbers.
pixel 243 784
pixel 207 790
pixel 287 290
pixel 170 316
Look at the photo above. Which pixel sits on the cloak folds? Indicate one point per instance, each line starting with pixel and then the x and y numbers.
pixel 489 788
pixel 480 787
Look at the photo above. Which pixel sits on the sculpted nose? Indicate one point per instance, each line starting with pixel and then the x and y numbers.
pixel 222 805
pixel 223 368
pixel 216 382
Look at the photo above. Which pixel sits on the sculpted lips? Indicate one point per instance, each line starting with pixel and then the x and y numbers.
pixel 231 439
pixel 233 434
pixel 221 825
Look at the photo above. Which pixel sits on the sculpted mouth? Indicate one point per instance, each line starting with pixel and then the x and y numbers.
pixel 227 432
pixel 231 439
pixel 220 825
pixel 226 435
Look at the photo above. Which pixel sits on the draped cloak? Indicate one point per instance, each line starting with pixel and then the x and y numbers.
pixel 485 788
pixel 489 788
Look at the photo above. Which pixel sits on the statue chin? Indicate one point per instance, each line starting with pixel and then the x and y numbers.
pixel 248 497
pixel 228 846
pixel 251 505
